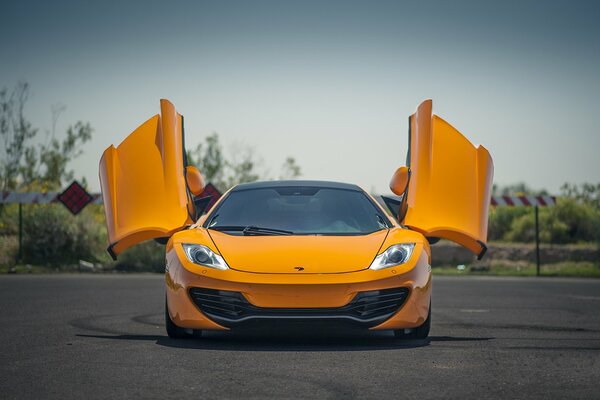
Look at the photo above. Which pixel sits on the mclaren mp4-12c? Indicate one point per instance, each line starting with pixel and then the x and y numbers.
pixel 302 251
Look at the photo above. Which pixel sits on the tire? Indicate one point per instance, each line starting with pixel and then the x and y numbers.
pixel 420 332
pixel 173 330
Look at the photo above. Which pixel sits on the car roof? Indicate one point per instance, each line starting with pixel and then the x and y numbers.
pixel 294 183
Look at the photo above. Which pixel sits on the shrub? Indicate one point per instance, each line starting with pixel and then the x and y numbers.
pixel 148 256
pixel 581 220
pixel 52 236
pixel 9 219
pixel 569 221
pixel 501 220
pixel 9 246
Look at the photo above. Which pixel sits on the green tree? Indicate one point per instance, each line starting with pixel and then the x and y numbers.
pixel 36 162
pixel 208 158
pixel 519 188
pixel 241 166
pixel 16 132
pixel 289 169
pixel 575 217
pixel 586 193
pixel 55 237
pixel 147 256
pixel 35 166
pixel 501 220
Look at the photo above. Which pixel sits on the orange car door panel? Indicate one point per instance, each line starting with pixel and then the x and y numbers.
pixel 143 182
pixel 448 192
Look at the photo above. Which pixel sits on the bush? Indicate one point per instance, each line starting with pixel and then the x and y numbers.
pixel 9 219
pixel 501 220
pixel 148 256
pixel 9 247
pixel 569 221
pixel 52 236
pixel 522 229
pixel 581 220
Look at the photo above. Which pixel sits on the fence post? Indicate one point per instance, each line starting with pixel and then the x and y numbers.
pixel 537 239
pixel 20 232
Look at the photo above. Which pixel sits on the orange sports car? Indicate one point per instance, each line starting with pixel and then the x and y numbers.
pixel 303 251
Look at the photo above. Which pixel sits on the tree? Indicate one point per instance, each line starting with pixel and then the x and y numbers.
pixel 209 159
pixel 516 189
pixel 289 169
pixel 575 217
pixel 26 165
pixel 586 193
pixel 16 132
pixel 242 165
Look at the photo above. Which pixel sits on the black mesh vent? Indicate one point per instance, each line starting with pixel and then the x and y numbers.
pixel 367 308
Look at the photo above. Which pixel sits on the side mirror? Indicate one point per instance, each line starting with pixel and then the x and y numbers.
pixel 194 180
pixel 400 181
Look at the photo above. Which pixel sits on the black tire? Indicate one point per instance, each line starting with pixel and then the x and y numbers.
pixel 173 330
pixel 420 332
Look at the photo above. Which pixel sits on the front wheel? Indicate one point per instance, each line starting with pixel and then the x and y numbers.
pixel 173 330
pixel 420 332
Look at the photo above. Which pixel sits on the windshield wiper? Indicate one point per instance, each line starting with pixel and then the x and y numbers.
pixel 252 230
pixel 258 230
pixel 212 221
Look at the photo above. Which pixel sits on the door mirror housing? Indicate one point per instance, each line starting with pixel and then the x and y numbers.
pixel 194 180
pixel 399 181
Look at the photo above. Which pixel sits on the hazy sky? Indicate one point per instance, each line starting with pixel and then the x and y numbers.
pixel 328 82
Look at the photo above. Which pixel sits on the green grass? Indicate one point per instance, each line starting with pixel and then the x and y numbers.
pixel 37 269
pixel 506 268
pixel 497 268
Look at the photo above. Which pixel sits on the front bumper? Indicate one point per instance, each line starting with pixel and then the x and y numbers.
pixel 232 309
pixel 309 297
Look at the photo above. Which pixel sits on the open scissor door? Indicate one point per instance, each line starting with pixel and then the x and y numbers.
pixel 449 184
pixel 144 184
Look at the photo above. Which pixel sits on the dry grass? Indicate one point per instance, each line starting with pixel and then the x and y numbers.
pixel 523 268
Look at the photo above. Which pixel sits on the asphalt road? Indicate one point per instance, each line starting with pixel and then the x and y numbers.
pixel 90 336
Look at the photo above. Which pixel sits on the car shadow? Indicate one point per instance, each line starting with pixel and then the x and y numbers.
pixel 269 341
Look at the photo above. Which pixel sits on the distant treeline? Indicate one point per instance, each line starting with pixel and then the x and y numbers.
pixel 37 160
pixel 30 161
pixel 574 219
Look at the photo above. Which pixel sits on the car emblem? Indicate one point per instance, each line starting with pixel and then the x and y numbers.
pixel 299 268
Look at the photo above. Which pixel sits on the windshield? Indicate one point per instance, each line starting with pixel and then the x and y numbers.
pixel 297 210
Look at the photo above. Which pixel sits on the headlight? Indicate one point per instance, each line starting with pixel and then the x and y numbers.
pixel 394 255
pixel 204 256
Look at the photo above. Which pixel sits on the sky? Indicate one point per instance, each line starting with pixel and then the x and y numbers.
pixel 331 83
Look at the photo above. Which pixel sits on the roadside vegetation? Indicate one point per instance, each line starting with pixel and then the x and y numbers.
pixel 34 159
pixel 507 268
pixel 574 219
pixel 37 160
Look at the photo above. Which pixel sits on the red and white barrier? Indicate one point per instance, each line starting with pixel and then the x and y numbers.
pixel 38 198
pixel 43 198
pixel 516 201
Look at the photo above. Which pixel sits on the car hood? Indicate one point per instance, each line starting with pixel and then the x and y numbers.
pixel 296 253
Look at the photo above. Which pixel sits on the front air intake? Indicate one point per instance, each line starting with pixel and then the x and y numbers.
pixel 366 308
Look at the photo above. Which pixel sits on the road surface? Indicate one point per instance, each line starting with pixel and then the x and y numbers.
pixel 102 336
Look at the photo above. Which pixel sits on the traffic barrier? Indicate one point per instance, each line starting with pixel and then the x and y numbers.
pixel 516 201
pixel 531 201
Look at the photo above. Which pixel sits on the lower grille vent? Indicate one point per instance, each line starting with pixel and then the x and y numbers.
pixel 368 308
